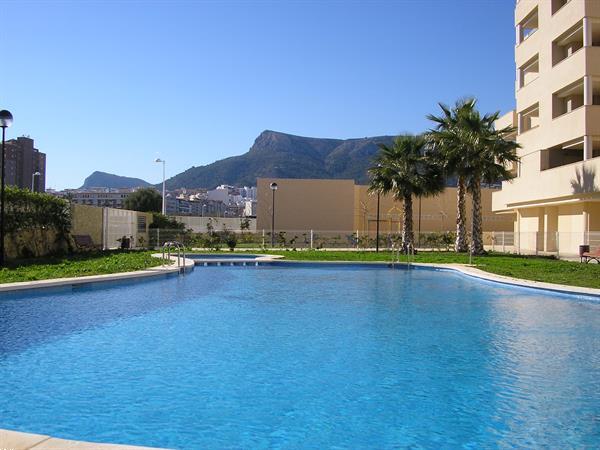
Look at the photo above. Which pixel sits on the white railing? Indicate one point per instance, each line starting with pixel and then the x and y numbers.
pixel 560 244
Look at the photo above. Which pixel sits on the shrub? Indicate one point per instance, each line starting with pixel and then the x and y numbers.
pixel 26 210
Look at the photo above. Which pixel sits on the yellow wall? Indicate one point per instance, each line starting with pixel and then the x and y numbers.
pixel 87 220
pixel 340 205
pixel 300 204
pixel 437 213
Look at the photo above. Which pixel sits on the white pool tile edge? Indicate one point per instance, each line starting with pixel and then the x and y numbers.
pixel 58 282
pixel 478 273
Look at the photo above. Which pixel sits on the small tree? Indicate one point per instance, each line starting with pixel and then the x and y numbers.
pixel 405 170
pixel 165 222
pixel 144 200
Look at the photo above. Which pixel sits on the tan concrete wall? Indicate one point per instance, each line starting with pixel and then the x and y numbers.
pixel 87 220
pixel 593 210
pixel 325 205
pixel 437 213
pixel 340 205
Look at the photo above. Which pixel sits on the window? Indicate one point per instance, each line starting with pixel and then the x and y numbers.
pixel 141 223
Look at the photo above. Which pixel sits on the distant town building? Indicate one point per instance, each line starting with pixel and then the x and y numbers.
pixel 223 201
pixel 23 160
pixel 181 206
pixel 108 197
pixel 220 193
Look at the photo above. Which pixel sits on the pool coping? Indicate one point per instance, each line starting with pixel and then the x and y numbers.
pixel 18 440
pixel 188 265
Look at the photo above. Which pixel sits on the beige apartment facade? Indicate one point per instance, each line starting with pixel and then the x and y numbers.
pixel 342 206
pixel 555 197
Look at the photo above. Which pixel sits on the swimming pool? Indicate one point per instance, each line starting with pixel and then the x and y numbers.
pixel 303 356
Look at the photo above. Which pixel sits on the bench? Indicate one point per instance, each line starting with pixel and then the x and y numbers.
pixel 586 257
pixel 84 242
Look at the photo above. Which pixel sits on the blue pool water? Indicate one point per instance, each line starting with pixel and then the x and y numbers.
pixel 296 357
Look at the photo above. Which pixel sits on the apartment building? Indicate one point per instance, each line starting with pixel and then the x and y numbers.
pixel 556 192
pixel 104 197
pixel 25 165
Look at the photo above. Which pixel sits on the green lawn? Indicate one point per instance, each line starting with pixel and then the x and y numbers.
pixel 95 263
pixel 527 267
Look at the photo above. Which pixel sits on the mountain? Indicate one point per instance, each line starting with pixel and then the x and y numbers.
pixel 109 180
pixel 281 155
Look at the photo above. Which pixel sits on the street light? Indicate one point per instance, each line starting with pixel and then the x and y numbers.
pixel 164 204
pixel 377 231
pixel 273 189
pixel 377 227
pixel 6 120
pixel 33 175
pixel 203 206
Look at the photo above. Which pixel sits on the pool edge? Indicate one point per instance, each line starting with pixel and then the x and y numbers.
pixel 188 265
pixel 10 439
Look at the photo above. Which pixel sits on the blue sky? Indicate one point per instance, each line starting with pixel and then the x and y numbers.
pixel 109 85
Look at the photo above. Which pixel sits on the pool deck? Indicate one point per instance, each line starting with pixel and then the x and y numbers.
pixel 16 440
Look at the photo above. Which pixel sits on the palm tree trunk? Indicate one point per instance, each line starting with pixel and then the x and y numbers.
pixel 407 224
pixel 461 217
pixel 477 231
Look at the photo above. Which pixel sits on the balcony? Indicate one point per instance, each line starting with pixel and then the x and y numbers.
pixel 556 5
pixel 567 43
pixel 567 182
pixel 529 118
pixel 529 71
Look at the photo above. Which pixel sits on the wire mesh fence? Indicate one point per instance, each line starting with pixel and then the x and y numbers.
pixel 560 244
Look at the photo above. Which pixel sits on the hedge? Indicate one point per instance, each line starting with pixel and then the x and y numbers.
pixel 26 210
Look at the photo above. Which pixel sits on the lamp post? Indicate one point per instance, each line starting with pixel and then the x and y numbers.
pixel 273 189
pixel 203 206
pixel 6 120
pixel 164 204
pixel 33 175
pixel 377 222
pixel 377 228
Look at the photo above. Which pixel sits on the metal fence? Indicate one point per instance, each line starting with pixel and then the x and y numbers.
pixel 527 243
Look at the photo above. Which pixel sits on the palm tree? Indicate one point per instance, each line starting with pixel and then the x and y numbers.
pixel 471 147
pixel 406 170
pixel 493 154
pixel 447 140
